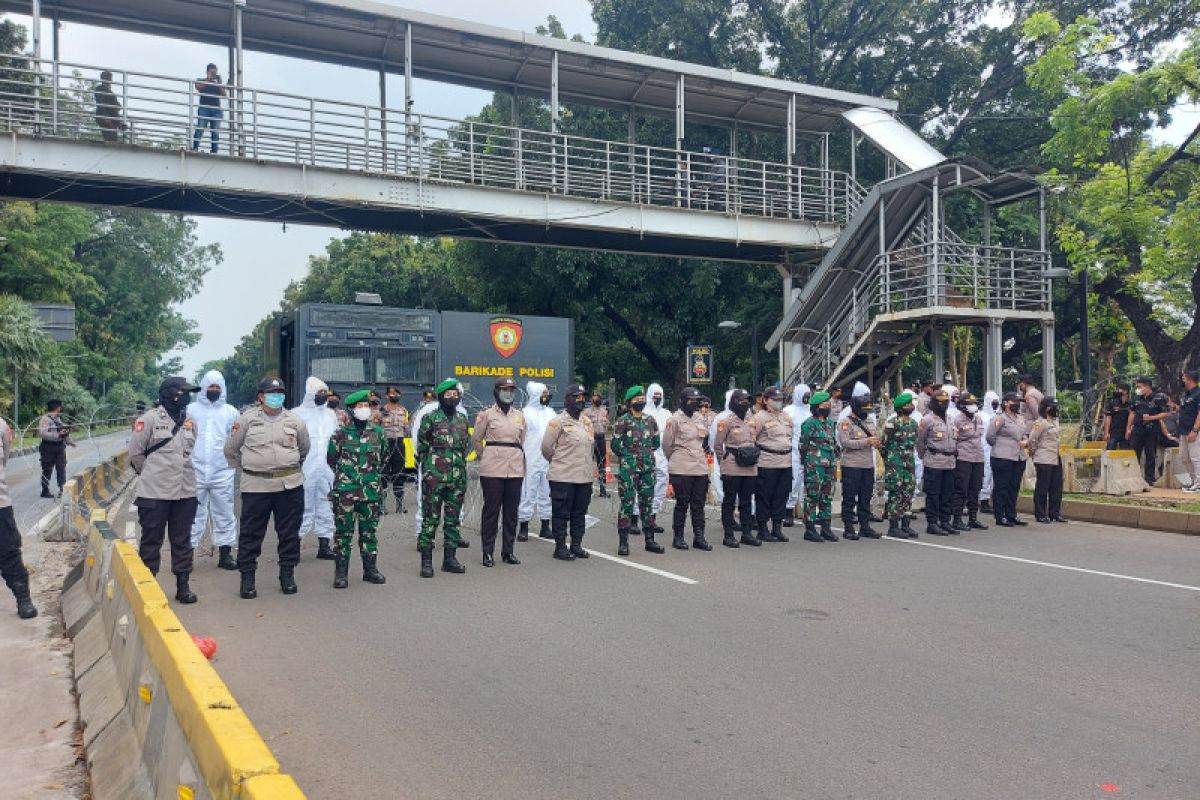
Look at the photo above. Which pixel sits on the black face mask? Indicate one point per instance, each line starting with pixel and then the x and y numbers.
pixel 1051 412
pixel 689 407
pixel 863 412
pixel 938 407
pixel 596 401
pixel 448 404
pixel 822 413
pixel 574 405
pixel 174 402
pixel 332 402
pixel 740 409
pixel 907 411
pixel 394 398
pixel 213 395
pixel 638 405
pixel 321 399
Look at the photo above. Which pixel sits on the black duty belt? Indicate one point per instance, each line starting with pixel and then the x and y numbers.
pixel 275 473
pixel 504 444
pixel 775 452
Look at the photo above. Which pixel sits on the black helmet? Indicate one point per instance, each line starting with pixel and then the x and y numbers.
pixel 861 405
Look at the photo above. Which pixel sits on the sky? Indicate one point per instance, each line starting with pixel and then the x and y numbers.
pixel 262 258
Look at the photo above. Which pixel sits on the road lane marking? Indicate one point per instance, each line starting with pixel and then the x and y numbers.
pixel 662 573
pixel 1051 565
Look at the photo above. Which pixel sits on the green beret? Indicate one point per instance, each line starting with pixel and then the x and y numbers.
pixel 354 398
pixel 633 392
pixel 818 398
pixel 903 400
pixel 445 386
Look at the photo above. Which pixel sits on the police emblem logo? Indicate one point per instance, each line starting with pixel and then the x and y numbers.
pixel 505 335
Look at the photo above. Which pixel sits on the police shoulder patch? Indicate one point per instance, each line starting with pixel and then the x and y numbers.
pixel 140 426
pixel 236 427
pixel 845 426
pixel 187 425
pixel 998 422
pixel 552 424
pixel 722 425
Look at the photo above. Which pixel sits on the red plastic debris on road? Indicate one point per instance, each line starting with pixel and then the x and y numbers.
pixel 207 645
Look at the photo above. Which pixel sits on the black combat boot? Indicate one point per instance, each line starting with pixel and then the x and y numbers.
pixel 698 540
pixel 788 516
pixel 867 531
pixel 400 502
pixel 523 532
pixel 449 562
pixel 678 542
pixel 510 558
pixel 849 530
pixel 324 551
pixel 827 532
pixel 777 532
pixel 906 523
pixel 764 534
pixel 25 607
pixel 657 528
pixel 427 562
pixel 183 592
pixel 896 531
pixel 489 560
pixel 810 533
pixel 225 561
pixel 622 541
pixel 730 539
pixel 934 529
pixel 603 490
pixel 464 542
pixel 341 571
pixel 651 545
pixel 248 590
pixel 561 551
pixel 956 525
pixel 287 580
pixel 974 524
pixel 577 548
pixel 748 537
pixel 371 573
pixel 545 533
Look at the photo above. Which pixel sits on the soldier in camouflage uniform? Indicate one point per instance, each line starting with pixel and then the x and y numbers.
pixel 635 438
pixel 899 467
pixel 356 456
pixel 819 453
pixel 442 445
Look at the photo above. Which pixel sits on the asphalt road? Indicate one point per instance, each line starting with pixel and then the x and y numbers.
pixel 24 475
pixel 852 670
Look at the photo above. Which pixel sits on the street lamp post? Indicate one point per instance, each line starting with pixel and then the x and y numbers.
pixel 730 325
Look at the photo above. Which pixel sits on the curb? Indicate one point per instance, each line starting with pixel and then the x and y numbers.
pixel 1125 516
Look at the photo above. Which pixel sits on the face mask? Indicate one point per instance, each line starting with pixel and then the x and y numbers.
pixel 596 401
pixel 938 406
pixel 863 413
pixel 1052 412
pixel 638 405
pixel 545 400
pixel 393 398
pixel 972 408
pixel 213 395
pixel 995 405
pixel 907 411
pixel 332 402
pixel 574 403
pixel 776 405
pixel 362 414
pixel 821 412
pixel 506 396
pixel 321 399
pixel 448 404
pixel 689 407
pixel 273 400
pixel 740 408
pixel 658 399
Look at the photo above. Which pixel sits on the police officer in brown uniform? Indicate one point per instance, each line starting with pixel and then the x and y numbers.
pixel 683 443
pixel 12 567
pixel 738 455
pixel 937 451
pixel 774 439
pixel 968 468
pixel 498 439
pixel 1008 437
pixel 567 445
pixel 160 451
pixel 396 429
pixel 597 414
pixel 268 444
pixel 858 439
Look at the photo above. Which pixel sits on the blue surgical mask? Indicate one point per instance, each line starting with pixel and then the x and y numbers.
pixel 273 399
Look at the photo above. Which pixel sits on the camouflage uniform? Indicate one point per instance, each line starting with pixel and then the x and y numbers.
pixel 442 445
pixel 899 467
pixel 819 453
pixel 356 458
pixel 634 441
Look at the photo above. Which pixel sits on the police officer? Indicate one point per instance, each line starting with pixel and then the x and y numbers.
pixel 1116 419
pixel 1008 436
pixel 858 441
pixel 1031 400
pixel 442 443
pixel 498 441
pixel 52 449
pixel 268 444
pixel 597 414
pixel 355 455
pixel 737 455
pixel 1189 428
pixel 684 443
pixel 635 439
pixel 968 429
pixel 774 440
pixel 12 568
pixel 936 449
pixel 1143 426
pixel 567 445
pixel 899 443
pixel 396 426
pixel 1043 449
pixel 160 451
pixel 819 454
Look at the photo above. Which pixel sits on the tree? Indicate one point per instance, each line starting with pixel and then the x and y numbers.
pixel 1132 206
pixel 22 343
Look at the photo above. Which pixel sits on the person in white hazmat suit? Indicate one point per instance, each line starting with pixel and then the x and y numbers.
pixel 656 408
pixel 213 418
pixel 718 490
pixel 535 491
pixel 987 412
pixel 798 411
pixel 321 422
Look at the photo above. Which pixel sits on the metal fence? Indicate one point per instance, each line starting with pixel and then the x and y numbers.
pixel 70 100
